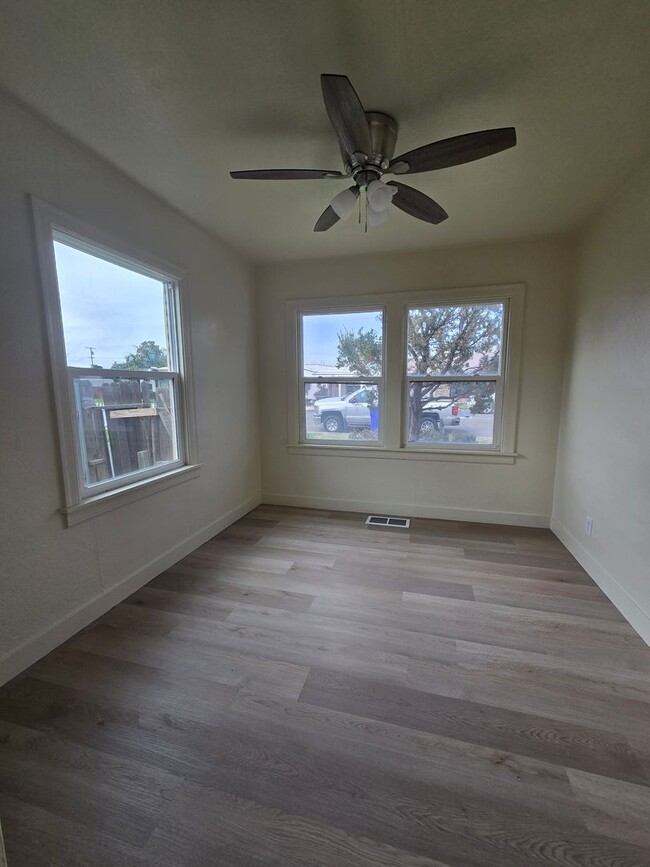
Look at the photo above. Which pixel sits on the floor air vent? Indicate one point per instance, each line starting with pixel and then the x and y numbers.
pixel 384 521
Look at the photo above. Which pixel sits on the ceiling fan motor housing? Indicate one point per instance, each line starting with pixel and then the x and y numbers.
pixel 383 136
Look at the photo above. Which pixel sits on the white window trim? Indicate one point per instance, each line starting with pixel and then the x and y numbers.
pixel 393 417
pixel 80 502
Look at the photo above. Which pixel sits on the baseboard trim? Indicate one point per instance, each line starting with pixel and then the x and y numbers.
pixel 445 513
pixel 35 648
pixel 638 619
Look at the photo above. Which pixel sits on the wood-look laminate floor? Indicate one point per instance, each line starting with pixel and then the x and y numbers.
pixel 304 690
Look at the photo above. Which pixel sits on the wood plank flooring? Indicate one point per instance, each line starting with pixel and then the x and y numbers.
pixel 306 691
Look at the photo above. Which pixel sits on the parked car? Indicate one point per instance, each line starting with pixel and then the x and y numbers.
pixel 353 411
pixel 438 414
pixel 341 413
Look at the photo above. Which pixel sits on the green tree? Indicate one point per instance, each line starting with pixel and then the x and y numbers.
pixel 147 355
pixel 360 352
pixel 441 341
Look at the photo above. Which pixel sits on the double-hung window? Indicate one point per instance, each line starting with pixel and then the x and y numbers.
pixel 454 382
pixel 341 382
pixel 119 366
pixel 414 375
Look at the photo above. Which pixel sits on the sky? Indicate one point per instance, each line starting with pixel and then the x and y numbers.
pixel 320 341
pixel 106 306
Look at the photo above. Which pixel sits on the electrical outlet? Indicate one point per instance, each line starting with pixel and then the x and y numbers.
pixel 589 526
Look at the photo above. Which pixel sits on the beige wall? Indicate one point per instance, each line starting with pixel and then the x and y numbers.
pixel 53 579
pixel 603 467
pixel 519 493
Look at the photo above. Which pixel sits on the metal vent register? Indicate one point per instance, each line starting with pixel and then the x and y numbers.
pixel 385 521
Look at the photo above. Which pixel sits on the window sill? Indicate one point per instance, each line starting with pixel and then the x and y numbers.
pixel 115 499
pixel 416 454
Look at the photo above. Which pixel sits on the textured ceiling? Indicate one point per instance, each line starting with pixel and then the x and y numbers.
pixel 177 93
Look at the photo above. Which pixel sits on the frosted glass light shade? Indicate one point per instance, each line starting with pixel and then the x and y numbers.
pixel 380 195
pixel 343 204
pixel 375 218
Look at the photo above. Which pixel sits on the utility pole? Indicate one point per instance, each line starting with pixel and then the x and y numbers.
pixel 91 350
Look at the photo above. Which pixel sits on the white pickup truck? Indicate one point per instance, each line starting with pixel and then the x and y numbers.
pixel 353 411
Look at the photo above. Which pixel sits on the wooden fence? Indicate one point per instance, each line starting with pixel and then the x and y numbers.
pixel 127 426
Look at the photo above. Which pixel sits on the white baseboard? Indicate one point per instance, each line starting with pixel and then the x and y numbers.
pixel 638 619
pixel 445 513
pixel 35 648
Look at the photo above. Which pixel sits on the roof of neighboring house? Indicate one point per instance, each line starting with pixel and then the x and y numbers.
pixel 325 370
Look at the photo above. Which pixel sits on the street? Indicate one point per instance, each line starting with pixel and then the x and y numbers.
pixel 479 425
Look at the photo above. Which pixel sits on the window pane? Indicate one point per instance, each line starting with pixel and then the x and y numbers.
pixel 126 425
pixel 112 315
pixel 342 344
pixel 341 412
pixel 464 338
pixel 457 413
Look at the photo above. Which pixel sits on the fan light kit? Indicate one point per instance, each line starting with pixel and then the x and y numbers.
pixel 367 141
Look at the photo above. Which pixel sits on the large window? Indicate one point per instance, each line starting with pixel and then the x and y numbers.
pixel 119 368
pixel 420 374
pixel 341 384
pixel 453 372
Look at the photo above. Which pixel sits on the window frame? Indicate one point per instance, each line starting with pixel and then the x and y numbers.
pixel 377 381
pixel 394 416
pixel 83 501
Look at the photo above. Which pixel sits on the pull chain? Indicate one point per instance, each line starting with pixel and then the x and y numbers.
pixel 363 206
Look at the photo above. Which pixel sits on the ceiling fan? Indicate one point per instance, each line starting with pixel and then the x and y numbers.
pixel 367 140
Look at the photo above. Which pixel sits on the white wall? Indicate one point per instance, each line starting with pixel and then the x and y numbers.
pixel 603 467
pixel 53 580
pixel 519 493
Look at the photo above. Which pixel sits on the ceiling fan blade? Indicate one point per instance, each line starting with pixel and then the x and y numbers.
pixel 287 174
pixel 346 114
pixel 416 204
pixel 326 220
pixel 455 151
